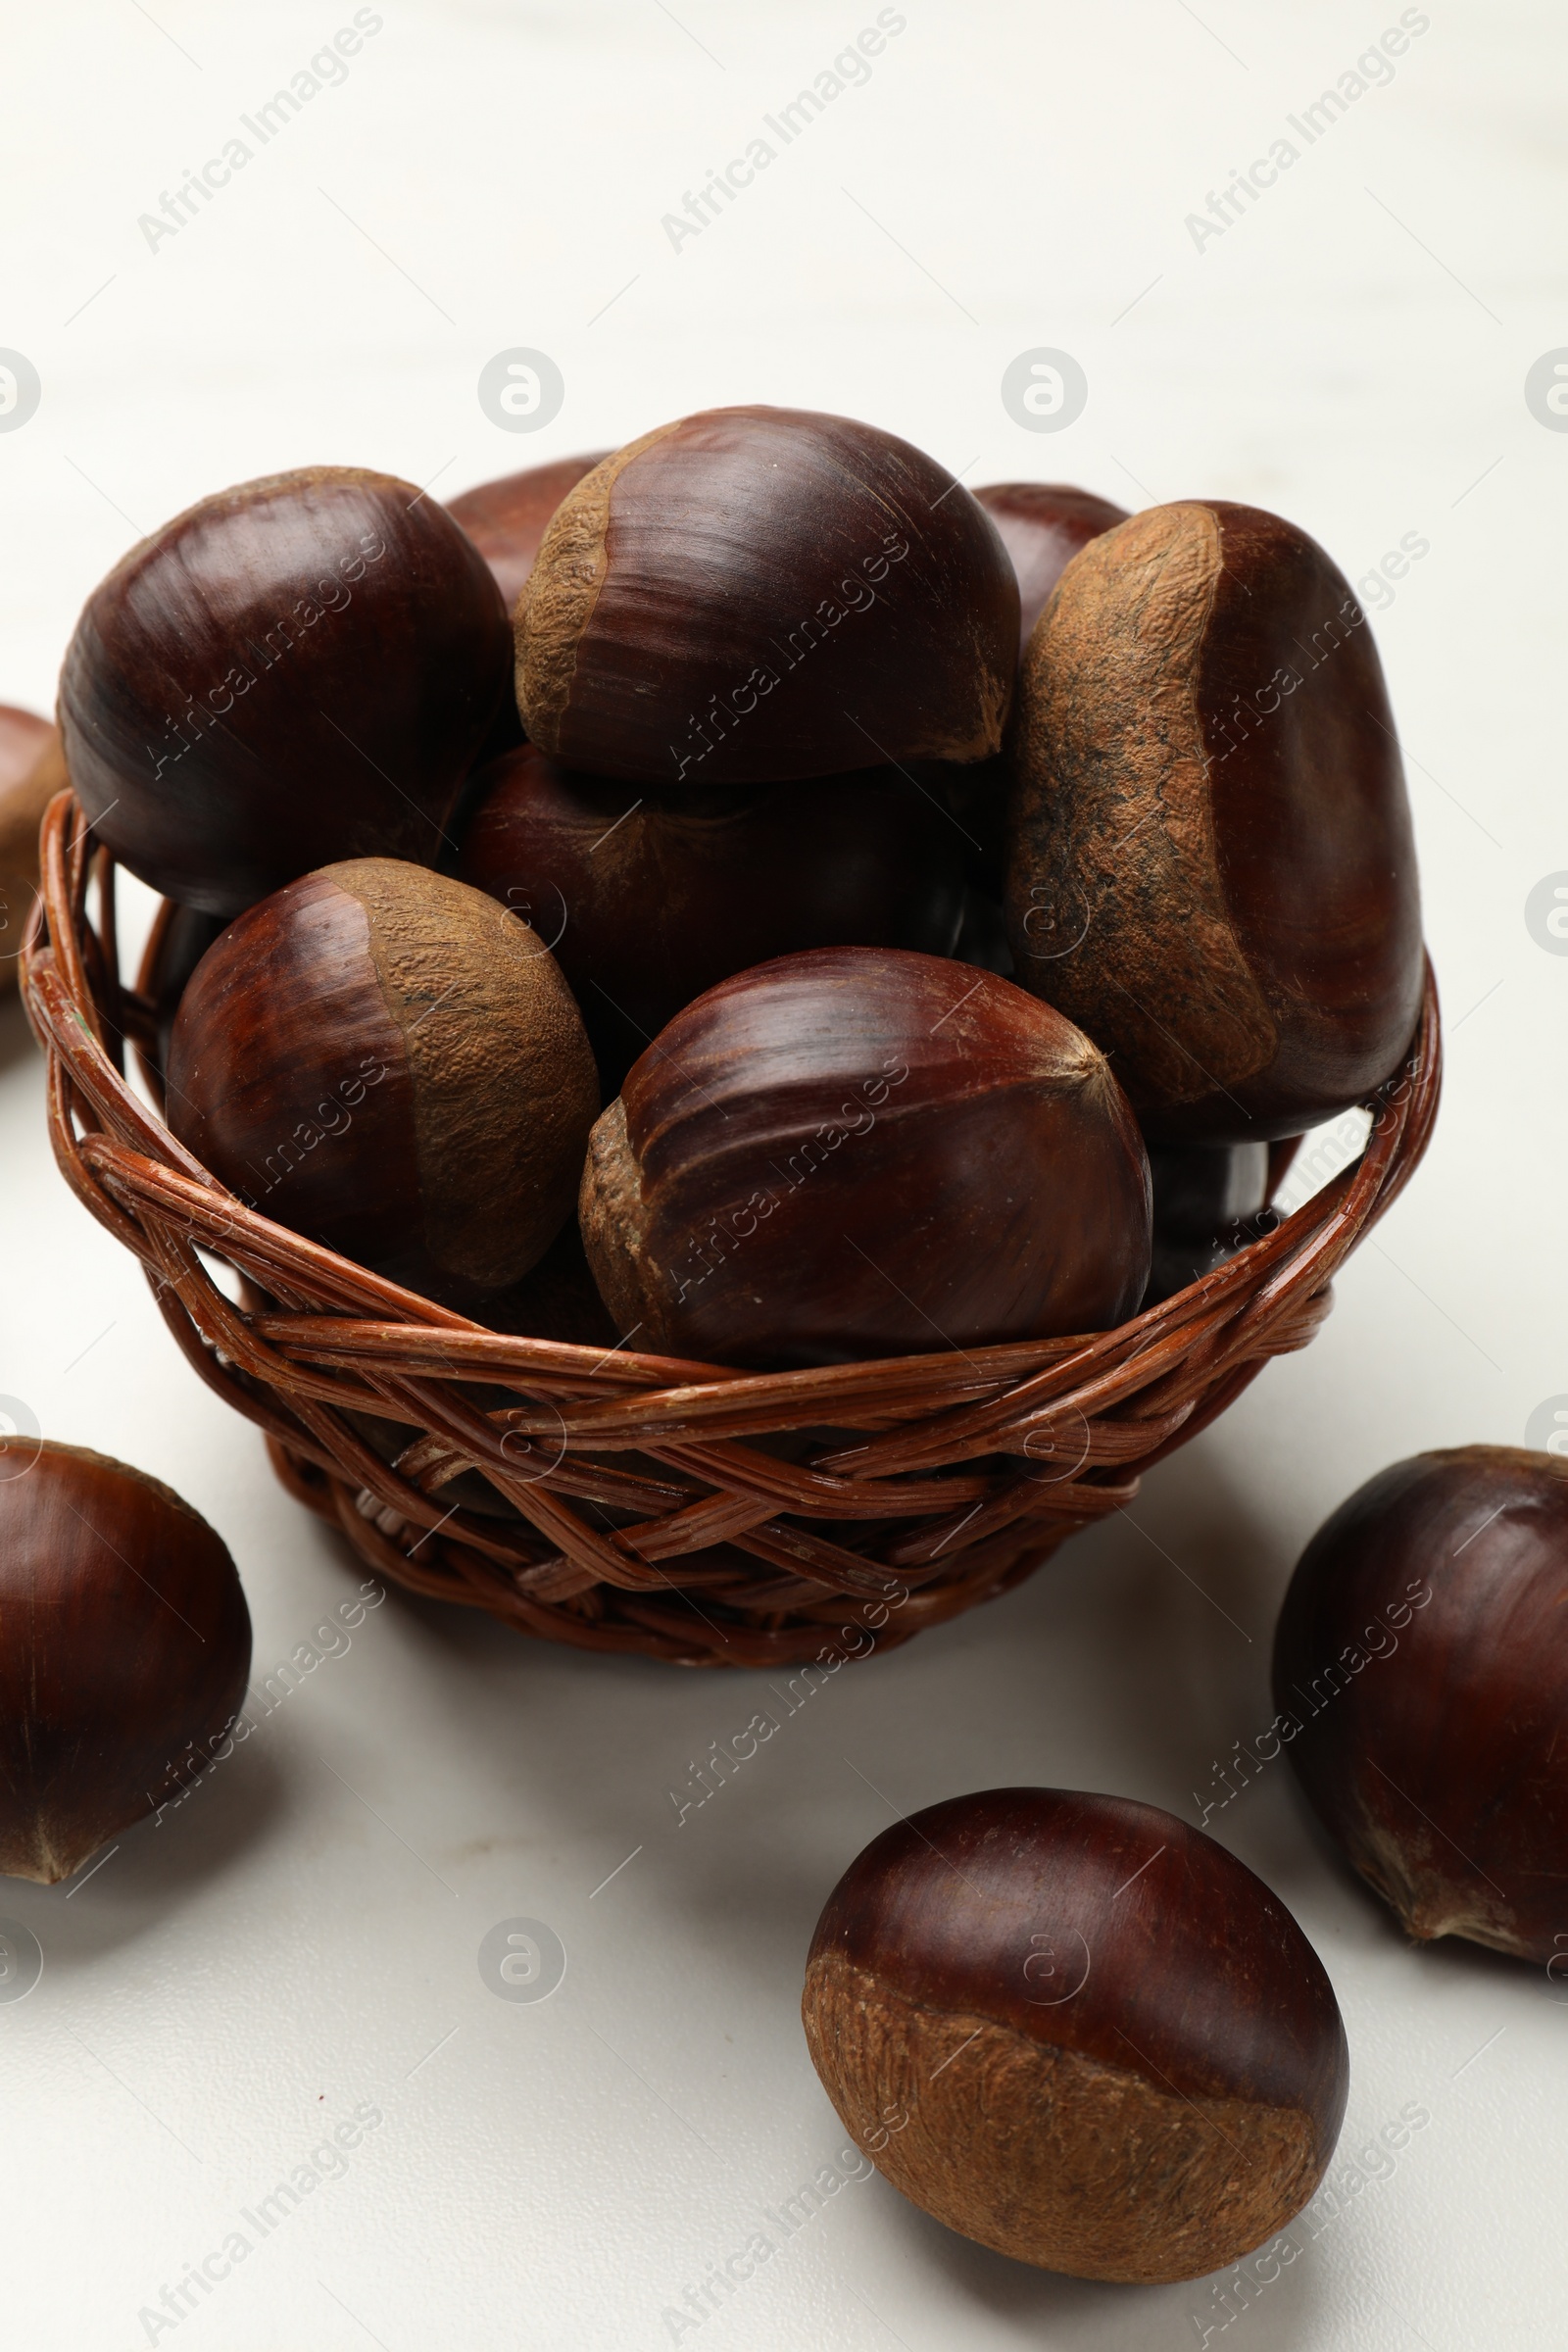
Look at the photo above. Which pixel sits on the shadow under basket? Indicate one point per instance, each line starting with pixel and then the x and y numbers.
pixel 629 1502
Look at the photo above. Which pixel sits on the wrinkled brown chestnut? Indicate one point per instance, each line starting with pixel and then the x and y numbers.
pixel 857 1153
pixel 1422 1659
pixel 648 899
pixel 753 595
pixel 124 1648
pixel 31 772
pixel 507 518
pixel 296 671
pixel 384 1061
pixel 1042 526
pixel 1079 2031
pixel 1211 864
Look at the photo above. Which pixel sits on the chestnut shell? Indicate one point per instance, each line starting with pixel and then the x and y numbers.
pixel 1042 526
pixel 1211 864
pixel 648 899
pixel 124 1648
pixel 508 518
pixel 858 1151
pixel 380 1059
pixel 1422 1651
pixel 753 595
pixel 1114 2051
pixel 297 670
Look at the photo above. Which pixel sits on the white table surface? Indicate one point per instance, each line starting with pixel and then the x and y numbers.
pixel 300 1939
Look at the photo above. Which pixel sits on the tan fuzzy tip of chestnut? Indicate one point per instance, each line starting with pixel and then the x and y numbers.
pixel 504 1086
pixel 1113 819
pixel 560 592
pixel 613 1216
pixel 1045 2154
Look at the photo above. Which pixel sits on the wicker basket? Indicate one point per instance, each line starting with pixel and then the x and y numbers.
pixel 629 1502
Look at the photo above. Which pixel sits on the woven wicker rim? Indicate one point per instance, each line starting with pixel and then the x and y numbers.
pixel 944 1478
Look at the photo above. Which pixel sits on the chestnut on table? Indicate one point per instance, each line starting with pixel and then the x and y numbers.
pixel 1422 1656
pixel 1078 2031
pixel 124 1649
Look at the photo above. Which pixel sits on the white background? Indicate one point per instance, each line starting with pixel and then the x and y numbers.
pixel 303 1933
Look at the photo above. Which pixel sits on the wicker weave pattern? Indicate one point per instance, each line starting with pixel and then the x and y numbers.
pixel 651 1509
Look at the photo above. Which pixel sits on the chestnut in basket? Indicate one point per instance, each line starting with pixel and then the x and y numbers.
pixel 856 1152
pixel 1422 1659
pixel 648 899
pixel 507 518
pixel 1079 2031
pixel 125 1649
pixel 31 772
pixel 296 671
pixel 753 595
pixel 1206 1196
pixel 1042 526
pixel 386 1062
pixel 181 940
pixel 1210 865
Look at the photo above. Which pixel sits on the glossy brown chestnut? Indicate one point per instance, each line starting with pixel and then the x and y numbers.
pixel 507 518
pixel 184 938
pixel 1210 865
pixel 1421 1663
pixel 297 670
pixel 648 899
pixel 384 1061
pixel 1079 2031
pixel 31 772
pixel 1207 1200
pixel 1042 526
pixel 124 1648
pixel 859 1153
pixel 753 595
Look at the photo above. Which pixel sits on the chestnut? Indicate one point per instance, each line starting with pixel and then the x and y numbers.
pixel 124 1648
pixel 1042 526
pixel 1421 1678
pixel 181 938
pixel 385 1060
pixel 753 595
pixel 1206 1198
pixel 859 1152
pixel 1211 864
pixel 296 671
pixel 1078 2031
pixel 648 899
pixel 31 772
pixel 506 520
